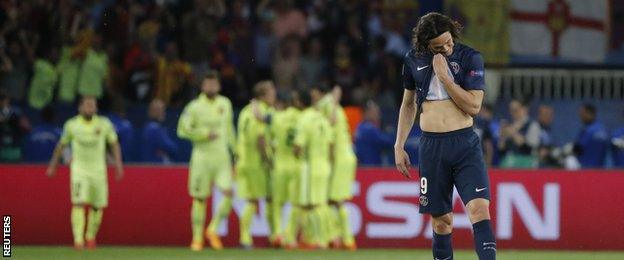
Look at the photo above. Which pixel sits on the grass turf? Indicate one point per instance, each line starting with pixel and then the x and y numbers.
pixel 118 253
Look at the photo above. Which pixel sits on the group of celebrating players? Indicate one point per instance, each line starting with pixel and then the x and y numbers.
pixel 293 148
pixel 289 148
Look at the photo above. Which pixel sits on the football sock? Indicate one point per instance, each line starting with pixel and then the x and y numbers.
pixel 320 229
pixel 198 219
pixel 307 226
pixel 331 222
pixel 345 225
pixel 222 212
pixel 245 224
pixel 292 227
pixel 269 217
pixel 442 248
pixel 93 223
pixel 277 219
pixel 78 224
pixel 485 243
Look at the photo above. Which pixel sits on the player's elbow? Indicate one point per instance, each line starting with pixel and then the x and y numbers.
pixel 473 109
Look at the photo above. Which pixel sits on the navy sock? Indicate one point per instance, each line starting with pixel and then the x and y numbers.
pixel 442 248
pixel 485 243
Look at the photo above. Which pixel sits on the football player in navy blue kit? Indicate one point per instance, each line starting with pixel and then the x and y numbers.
pixel 444 87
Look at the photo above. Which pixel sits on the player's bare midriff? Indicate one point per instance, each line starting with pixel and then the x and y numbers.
pixel 442 116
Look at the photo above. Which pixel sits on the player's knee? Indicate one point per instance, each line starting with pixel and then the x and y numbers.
pixel 442 224
pixel 478 209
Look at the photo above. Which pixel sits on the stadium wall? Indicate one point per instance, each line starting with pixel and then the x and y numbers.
pixel 536 209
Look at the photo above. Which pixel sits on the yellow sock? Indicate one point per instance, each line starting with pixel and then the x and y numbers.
pixel 245 224
pixel 323 225
pixel 277 219
pixel 308 226
pixel 222 212
pixel 345 225
pixel 198 219
pixel 93 223
pixel 331 223
pixel 269 216
pixel 290 235
pixel 78 224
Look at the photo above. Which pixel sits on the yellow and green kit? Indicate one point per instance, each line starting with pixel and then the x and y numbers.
pixel 252 173
pixel 88 140
pixel 211 162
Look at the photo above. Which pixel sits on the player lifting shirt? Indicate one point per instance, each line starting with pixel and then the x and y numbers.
pixel 444 83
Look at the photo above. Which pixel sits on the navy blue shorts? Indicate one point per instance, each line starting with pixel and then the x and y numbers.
pixel 451 159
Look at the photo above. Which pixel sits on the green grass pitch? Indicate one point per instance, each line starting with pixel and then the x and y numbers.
pixel 118 253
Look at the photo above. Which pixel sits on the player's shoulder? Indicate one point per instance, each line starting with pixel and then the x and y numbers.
pixel 71 121
pixel 224 100
pixel 246 109
pixel 413 57
pixel 293 112
pixel 245 112
pixel 102 120
pixel 192 104
pixel 466 52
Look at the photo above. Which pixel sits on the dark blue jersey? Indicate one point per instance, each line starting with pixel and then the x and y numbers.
pixel 593 142
pixel 465 66
pixel 617 147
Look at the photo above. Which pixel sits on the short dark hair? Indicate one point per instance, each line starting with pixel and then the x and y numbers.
pixel 211 74
pixel 524 101
pixel 591 109
pixel 83 98
pixel 260 88
pixel 431 26
pixel 304 97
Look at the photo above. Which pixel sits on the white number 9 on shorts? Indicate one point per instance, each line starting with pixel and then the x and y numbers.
pixel 423 185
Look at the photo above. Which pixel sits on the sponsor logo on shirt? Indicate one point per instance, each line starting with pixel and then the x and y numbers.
pixel 476 73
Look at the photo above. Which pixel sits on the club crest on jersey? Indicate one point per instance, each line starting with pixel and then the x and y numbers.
pixel 455 67
pixel 220 110
pixel 423 200
pixel 97 131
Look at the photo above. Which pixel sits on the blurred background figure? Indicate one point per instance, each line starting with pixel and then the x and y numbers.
pixel 519 139
pixel 44 79
pixel 592 142
pixel 370 141
pixel 545 117
pixel 124 129
pixel 156 144
pixel 41 141
pixel 617 147
pixel 13 126
pixel 83 67
pixel 172 75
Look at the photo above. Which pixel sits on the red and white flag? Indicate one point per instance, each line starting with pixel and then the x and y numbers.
pixel 572 30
